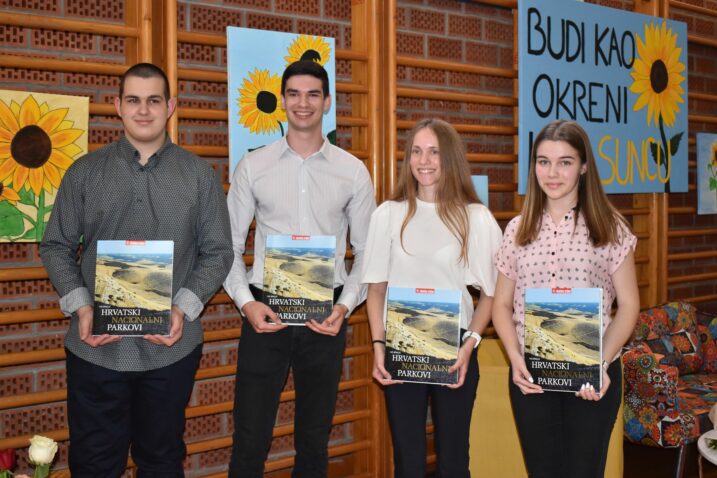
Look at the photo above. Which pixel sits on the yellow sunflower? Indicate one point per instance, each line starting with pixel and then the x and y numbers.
pixel 714 154
pixel 307 47
pixel 36 145
pixel 259 106
pixel 657 74
pixel 9 195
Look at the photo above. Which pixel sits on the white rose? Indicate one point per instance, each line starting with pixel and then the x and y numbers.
pixel 42 450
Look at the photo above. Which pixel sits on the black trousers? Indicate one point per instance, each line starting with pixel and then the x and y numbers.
pixel 262 367
pixel 109 411
pixel 451 411
pixel 564 436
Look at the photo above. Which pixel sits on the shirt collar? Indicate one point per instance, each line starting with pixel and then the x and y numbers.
pixel 130 153
pixel 324 151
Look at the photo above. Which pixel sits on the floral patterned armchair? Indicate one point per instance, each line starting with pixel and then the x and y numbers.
pixel 670 373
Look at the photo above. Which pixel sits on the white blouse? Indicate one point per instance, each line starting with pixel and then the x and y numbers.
pixel 430 253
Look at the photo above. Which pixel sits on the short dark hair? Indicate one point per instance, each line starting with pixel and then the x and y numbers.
pixel 145 70
pixel 306 67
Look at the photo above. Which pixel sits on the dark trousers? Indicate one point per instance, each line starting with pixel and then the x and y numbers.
pixel 108 411
pixel 564 436
pixel 451 410
pixel 262 367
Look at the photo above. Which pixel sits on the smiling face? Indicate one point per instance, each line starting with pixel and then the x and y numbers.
pixel 558 167
pixel 425 163
pixel 305 104
pixel 144 111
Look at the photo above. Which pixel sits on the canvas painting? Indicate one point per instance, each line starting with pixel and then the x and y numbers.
pixel 41 135
pixel 256 60
pixel 706 173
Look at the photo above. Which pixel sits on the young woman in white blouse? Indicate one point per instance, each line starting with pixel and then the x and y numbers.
pixel 567 235
pixel 433 233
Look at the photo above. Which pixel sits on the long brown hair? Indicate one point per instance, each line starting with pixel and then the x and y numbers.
pixel 602 219
pixel 454 190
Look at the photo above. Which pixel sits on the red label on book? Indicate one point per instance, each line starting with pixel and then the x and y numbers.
pixel 561 290
pixel 425 291
pixel 300 238
pixel 134 243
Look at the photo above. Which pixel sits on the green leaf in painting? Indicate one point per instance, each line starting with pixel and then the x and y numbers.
pixel 332 137
pixel 11 223
pixel 675 143
pixel 27 197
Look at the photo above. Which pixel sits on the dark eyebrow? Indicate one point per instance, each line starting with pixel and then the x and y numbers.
pixel 151 97
pixel 294 90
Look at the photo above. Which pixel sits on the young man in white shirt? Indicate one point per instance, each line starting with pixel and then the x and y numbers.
pixel 300 184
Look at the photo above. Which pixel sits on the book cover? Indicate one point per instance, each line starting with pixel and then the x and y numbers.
pixel 299 277
pixel 422 334
pixel 133 287
pixel 563 337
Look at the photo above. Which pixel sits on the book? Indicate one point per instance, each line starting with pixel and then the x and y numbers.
pixel 422 334
pixel 299 277
pixel 563 337
pixel 133 288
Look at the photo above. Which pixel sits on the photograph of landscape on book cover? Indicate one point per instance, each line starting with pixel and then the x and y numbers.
pixel 299 277
pixel 422 334
pixel 133 288
pixel 563 337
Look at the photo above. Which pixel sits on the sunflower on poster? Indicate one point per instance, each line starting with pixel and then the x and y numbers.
pixel 37 145
pixel 308 47
pixel 259 107
pixel 657 79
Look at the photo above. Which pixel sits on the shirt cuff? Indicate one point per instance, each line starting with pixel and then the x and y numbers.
pixel 243 296
pixel 349 300
pixel 73 300
pixel 189 303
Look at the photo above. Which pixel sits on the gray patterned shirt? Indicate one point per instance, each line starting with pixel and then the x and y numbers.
pixel 108 195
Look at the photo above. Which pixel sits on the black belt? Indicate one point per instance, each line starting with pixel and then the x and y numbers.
pixel 258 293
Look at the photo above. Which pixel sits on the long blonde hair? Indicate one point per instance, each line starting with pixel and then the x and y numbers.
pixel 454 190
pixel 602 219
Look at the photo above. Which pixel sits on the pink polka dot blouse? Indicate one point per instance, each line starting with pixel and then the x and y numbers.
pixel 561 256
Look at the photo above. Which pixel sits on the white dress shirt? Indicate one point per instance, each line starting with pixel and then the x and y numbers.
pixel 325 194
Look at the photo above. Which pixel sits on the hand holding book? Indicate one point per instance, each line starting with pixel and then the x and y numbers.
pixel 262 318
pixel 175 331
pixel 331 325
pixel 379 369
pixel 86 315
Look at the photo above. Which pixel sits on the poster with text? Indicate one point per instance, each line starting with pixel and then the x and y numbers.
pixel 621 75
pixel 706 173
pixel 256 60
pixel 41 135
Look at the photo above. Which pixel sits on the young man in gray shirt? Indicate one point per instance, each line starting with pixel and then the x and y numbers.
pixel 132 391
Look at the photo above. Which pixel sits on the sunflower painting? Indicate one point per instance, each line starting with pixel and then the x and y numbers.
pixel 307 47
pixel 261 110
pixel 256 60
pixel 657 74
pixel 621 75
pixel 41 135
pixel 706 173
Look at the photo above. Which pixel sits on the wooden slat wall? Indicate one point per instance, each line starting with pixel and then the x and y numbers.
pixel 151 34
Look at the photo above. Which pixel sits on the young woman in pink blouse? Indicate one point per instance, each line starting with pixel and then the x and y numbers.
pixel 568 235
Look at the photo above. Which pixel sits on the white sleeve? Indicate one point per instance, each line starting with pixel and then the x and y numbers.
pixel 376 263
pixel 484 241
